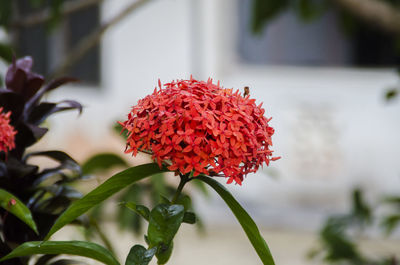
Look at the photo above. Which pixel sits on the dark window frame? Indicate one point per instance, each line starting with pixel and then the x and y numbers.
pixel 49 47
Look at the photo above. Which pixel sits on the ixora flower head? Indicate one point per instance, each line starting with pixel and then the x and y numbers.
pixel 198 126
pixel 7 132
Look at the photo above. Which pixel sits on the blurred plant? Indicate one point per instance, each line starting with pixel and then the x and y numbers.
pixel 353 13
pixel 35 196
pixel 227 131
pixel 371 27
pixel 393 92
pixel 339 237
pixel 392 219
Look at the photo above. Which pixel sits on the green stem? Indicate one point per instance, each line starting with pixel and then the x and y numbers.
pixel 184 180
pixel 102 236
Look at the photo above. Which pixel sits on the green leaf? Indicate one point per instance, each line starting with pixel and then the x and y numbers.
pixel 361 211
pixel 79 248
pixel 13 205
pixel 392 200
pixel 164 223
pixel 125 218
pixel 185 201
pixel 139 255
pixel 164 199
pixel 101 162
pixel 55 18
pixel 104 191
pixel 337 244
pixel 146 239
pixel 6 52
pixel 247 223
pixel 309 10
pixel 93 227
pixel 5 12
pixel 164 252
pixel 139 209
pixel 263 11
pixel 391 222
pixel 189 218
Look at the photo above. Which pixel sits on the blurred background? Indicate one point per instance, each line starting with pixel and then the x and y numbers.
pixel 325 70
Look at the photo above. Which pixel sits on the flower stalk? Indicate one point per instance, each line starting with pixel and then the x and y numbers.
pixel 184 179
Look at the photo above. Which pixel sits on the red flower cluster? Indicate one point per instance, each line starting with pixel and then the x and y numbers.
pixel 7 132
pixel 199 126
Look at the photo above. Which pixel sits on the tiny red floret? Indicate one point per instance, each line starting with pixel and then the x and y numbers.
pixel 198 126
pixel 7 132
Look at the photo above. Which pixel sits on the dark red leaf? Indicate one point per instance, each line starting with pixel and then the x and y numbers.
pixel 12 102
pixel 32 86
pixel 59 82
pixel 25 63
pixel 15 79
pixel 50 86
pixel 45 109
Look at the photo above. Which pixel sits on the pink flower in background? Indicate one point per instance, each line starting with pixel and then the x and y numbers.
pixel 7 132
pixel 199 126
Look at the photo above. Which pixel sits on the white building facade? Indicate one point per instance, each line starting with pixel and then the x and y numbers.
pixel 334 129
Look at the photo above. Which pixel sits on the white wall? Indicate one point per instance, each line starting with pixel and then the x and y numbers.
pixel 151 43
pixel 333 128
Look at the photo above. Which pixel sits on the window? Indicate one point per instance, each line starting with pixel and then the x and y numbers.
pixel 50 47
pixel 325 41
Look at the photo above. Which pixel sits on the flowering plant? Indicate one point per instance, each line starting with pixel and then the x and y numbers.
pixel 199 131
pixel 200 127
pixel 31 197
pixel 7 132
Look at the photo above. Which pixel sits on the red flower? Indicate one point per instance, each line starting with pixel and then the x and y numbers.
pixel 198 126
pixel 7 132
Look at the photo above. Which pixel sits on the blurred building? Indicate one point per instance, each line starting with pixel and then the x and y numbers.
pixel 334 129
